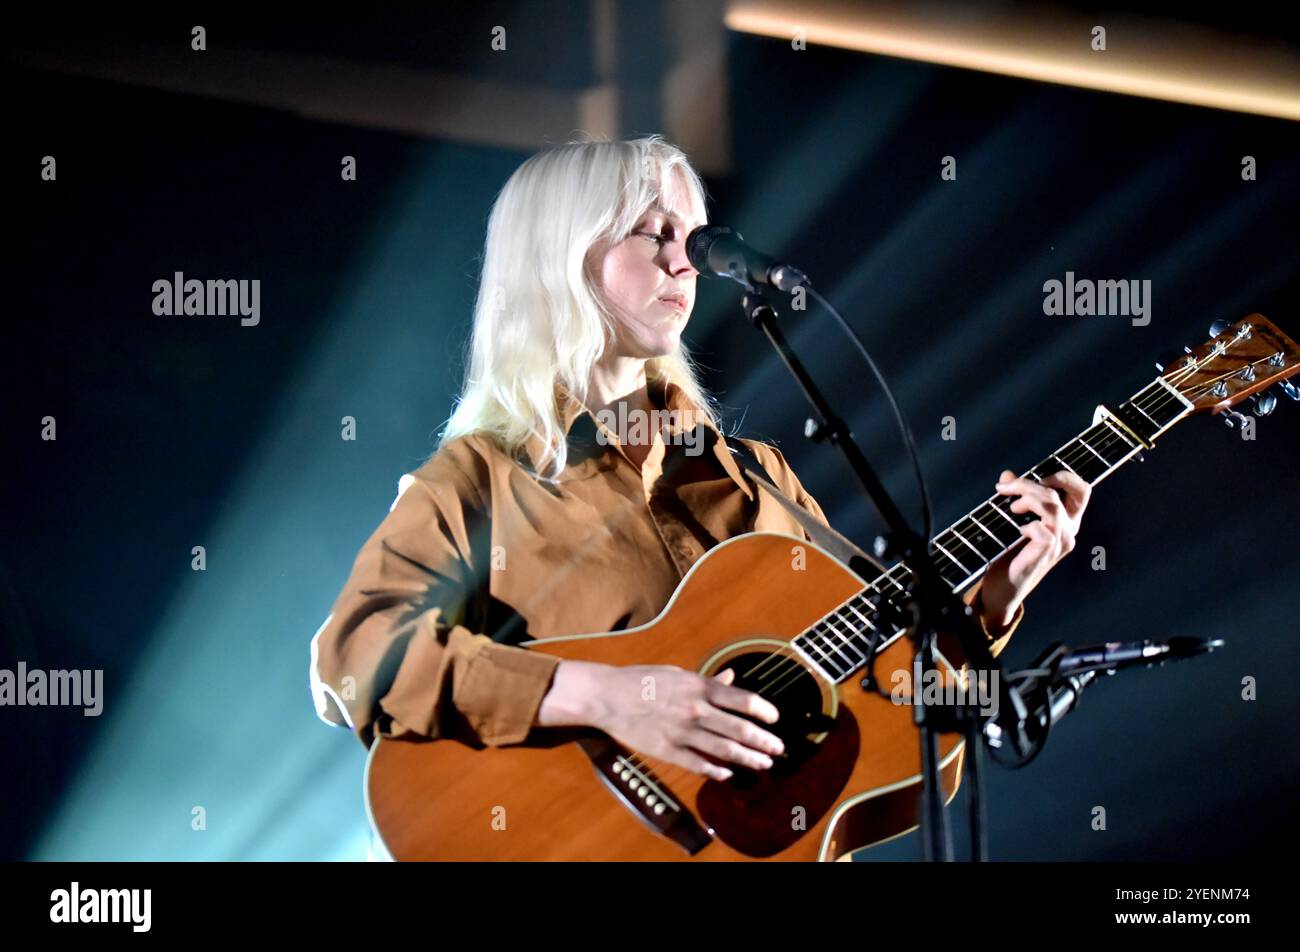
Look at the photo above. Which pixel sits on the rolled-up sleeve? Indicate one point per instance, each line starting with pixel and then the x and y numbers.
pixel 997 636
pixel 399 653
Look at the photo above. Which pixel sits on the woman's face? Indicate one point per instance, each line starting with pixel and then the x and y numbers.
pixel 646 281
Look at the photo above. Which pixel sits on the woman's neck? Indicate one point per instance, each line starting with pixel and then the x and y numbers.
pixel 619 384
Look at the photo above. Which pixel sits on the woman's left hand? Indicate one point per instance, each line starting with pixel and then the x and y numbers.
pixel 1016 572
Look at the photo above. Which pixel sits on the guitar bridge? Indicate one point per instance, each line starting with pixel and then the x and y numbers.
pixel 645 795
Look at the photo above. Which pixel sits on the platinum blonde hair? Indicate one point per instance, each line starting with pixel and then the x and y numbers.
pixel 538 316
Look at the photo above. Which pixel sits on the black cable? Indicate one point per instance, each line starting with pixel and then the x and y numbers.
pixel 903 428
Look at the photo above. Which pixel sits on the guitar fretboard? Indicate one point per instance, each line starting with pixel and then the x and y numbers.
pixel 838 644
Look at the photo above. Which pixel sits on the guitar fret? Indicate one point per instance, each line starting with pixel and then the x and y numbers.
pixel 1085 460
pixel 990 533
pixel 847 640
pixel 888 578
pixel 970 531
pixel 1118 432
pixel 1003 505
pixel 834 641
pixel 1104 443
pixel 1090 466
pixel 1152 411
pixel 858 644
pixel 797 645
pixel 1063 463
pixel 865 620
pixel 988 542
pixel 957 533
pixel 1145 414
pixel 1105 462
pixel 992 504
pixel 1109 445
pixel 812 643
pixel 952 559
pixel 1174 400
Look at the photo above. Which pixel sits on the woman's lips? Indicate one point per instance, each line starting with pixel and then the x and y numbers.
pixel 676 301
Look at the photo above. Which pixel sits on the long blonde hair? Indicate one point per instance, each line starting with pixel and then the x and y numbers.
pixel 538 318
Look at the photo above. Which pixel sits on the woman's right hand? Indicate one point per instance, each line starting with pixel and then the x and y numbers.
pixel 671 714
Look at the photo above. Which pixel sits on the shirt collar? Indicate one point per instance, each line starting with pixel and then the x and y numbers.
pixel 672 397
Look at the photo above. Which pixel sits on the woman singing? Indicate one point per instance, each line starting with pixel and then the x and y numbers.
pixel 581 474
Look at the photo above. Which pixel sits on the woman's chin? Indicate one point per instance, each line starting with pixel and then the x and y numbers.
pixel 660 345
pixel 668 346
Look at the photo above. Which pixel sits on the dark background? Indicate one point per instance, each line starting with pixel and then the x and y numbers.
pixel 175 432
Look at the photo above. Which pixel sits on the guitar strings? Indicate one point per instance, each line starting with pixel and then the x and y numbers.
pixel 790 664
pixel 1155 401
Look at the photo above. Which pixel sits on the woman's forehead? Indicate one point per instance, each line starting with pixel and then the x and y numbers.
pixel 686 219
pixel 679 202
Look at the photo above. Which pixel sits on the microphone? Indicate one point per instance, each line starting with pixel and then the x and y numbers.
pixel 1051 688
pixel 719 250
pixel 1123 654
pixel 1019 736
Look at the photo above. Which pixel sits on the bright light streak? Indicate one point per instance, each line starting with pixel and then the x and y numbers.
pixel 1197 68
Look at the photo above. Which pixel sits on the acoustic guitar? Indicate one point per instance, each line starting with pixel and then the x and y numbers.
pixel 796 625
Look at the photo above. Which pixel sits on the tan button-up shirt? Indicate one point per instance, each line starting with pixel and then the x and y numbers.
pixel 476 556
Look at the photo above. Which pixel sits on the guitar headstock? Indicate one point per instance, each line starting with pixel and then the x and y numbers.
pixel 1238 362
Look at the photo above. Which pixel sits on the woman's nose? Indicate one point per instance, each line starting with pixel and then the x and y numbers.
pixel 679 264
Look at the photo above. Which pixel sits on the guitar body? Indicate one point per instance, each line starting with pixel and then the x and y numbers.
pixel 850 777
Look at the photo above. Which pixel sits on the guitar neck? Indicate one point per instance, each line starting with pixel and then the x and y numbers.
pixel 839 643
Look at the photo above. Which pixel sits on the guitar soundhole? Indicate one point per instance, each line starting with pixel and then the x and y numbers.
pixel 796 693
pixel 762 812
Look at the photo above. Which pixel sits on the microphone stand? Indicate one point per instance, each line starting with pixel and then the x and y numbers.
pixel 929 605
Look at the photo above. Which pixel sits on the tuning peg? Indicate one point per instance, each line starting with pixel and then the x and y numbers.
pixel 1262 404
pixel 1290 389
pixel 1166 359
pixel 1233 417
pixel 1219 326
